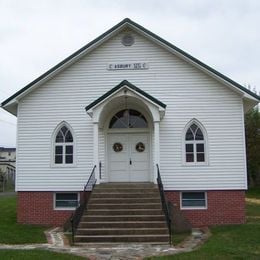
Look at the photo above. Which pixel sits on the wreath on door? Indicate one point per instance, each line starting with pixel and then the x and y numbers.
pixel 117 147
pixel 140 147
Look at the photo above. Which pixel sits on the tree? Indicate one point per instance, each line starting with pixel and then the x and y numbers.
pixel 252 127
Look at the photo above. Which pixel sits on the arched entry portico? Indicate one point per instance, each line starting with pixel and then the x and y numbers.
pixel 131 147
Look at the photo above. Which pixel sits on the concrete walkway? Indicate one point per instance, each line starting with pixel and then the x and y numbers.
pixel 7 193
pixel 58 242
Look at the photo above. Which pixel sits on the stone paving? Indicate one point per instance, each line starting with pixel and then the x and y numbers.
pixel 58 242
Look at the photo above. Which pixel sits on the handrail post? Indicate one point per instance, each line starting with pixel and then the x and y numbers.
pixel 164 204
pixel 76 216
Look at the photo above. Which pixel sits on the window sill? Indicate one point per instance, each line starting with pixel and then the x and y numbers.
pixel 193 208
pixel 63 165
pixel 70 209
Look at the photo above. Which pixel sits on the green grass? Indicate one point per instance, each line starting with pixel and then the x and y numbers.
pixel 35 255
pixel 231 241
pixel 253 193
pixel 253 209
pixel 13 233
pixel 227 242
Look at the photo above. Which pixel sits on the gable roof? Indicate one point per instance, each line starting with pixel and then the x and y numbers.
pixel 129 85
pixel 107 34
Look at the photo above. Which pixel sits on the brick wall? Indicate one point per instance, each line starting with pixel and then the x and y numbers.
pixel 37 208
pixel 224 207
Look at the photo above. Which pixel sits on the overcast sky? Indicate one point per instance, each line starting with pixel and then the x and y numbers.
pixel 36 35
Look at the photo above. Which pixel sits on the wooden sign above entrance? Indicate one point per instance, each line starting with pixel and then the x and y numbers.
pixel 128 66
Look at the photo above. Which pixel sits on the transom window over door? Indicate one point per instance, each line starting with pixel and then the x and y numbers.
pixel 128 118
pixel 195 145
pixel 63 148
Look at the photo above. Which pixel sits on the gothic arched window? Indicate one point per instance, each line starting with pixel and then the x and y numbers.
pixel 63 146
pixel 195 150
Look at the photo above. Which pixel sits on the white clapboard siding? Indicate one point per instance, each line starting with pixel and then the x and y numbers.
pixel 187 92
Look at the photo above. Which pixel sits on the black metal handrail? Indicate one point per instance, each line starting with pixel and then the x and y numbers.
pixel 164 203
pixel 76 216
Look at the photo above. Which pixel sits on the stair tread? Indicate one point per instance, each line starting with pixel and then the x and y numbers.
pixel 146 235
pixel 123 210
pixel 122 229
pixel 109 216
pixel 127 222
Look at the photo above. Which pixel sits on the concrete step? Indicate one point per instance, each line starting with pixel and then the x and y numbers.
pixel 125 206
pixel 139 195
pixel 97 218
pixel 126 185
pixel 125 190
pixel 123 200
pixel 122 238
pixel 105 212
pixel 123 224
pixel 121 231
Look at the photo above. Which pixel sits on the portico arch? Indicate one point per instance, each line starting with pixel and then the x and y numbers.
pixel 127 96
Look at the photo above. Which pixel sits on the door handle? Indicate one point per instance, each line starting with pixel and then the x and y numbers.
pixel 130 162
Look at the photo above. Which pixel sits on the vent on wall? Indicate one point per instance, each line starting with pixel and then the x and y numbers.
pixel 128 40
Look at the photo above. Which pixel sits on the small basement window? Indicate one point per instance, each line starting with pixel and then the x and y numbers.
pixel 66 200
pixel 193 200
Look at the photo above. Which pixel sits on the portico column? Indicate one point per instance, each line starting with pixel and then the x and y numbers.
pixel 156 148
pixel 95 150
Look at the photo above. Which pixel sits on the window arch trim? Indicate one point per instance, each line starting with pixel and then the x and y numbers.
pixel 195 162
pixel 65 151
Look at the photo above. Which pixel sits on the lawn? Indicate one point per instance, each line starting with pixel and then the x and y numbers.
pixel 13 233
pixel 35 255
pixel 232 241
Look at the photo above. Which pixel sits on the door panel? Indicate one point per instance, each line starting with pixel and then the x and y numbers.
pixel 119 167
pixel 140 160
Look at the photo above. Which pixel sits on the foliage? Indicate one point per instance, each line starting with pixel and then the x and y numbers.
pixel 12 232
pixel 35 254
pixel 252 127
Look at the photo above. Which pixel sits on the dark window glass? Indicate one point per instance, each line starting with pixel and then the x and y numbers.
pixel 59 137
pixel 193 195
pixel 58 149
pixel 68 137
pixel 64 130
pixel 69 159
pixel 66 196
pixel 199 135
pixel 189 157
pixel 58 159
pixel 200 148
pixel 189 148
pixel 193 128
pixel 200 157
pixel 193 203
pixel 193 199
pixel 189 135
pixel 66 204
pixel 69 149
pixel 128 118
pixel 66 200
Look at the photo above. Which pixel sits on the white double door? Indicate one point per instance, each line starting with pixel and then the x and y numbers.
pixel 128 157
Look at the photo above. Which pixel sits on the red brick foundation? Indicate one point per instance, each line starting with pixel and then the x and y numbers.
pixel 224 207
pixel 37 208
